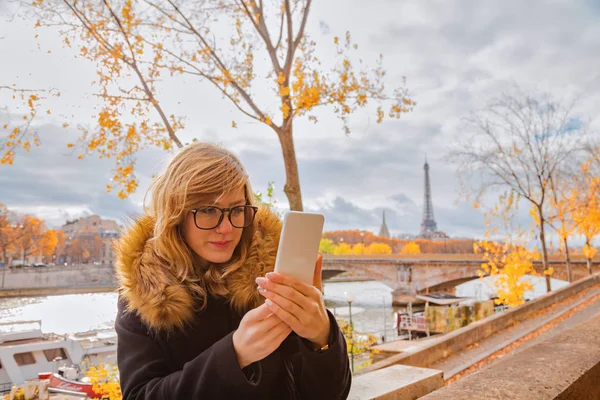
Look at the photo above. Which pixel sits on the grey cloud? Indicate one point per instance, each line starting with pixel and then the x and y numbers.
pixel 52 176
pixel 376 164
pixel 325 30
pixel 461 221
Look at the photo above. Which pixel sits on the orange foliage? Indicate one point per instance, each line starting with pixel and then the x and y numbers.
pixel 30 240
pixel 449 246
pixel 8 234
pixel 18 134
pixel 24 236
pixel 586 213
pixel 411 248
pixel 48 242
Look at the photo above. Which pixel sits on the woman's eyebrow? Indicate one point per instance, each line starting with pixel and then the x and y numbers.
pixel 238 202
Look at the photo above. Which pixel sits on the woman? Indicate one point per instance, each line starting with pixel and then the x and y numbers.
pixel 200 314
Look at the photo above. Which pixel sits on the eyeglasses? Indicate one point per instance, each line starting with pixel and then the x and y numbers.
pixel 208 218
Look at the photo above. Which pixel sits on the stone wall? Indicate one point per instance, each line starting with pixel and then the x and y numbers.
pixel 21 281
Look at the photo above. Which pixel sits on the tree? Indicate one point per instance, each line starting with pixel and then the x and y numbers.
pixel 358 345
pixel 75 251
pixel 270 200
pixel 343 249
pixel 48 243
pixel 30 239
pixel 586 212
pixel 378 248
pixel 139 41
pixel 510 263
pixel 7 233
pixel 19 134
pixel 61 245
pixel 519 144
pixel 326 246
pixel 359 249
pixel 561 204
pixel 96 247
pixel 411 248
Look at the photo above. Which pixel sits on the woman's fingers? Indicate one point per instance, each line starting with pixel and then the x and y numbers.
pixel 282 334
pixel 284 315
pixel 258 314
pixel 269 322
pixel 286 304
pixel 318 275
pixel 306 290
pixel 277 330
pixel 288 292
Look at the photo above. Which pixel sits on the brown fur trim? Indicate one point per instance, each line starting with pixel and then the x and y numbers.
pixel 161 300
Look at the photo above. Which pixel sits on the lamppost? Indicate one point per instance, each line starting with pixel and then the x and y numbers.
pixel 349 298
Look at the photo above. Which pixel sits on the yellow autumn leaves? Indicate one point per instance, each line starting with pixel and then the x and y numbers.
pixel 104 380
pixel 509 263
pixel 327 246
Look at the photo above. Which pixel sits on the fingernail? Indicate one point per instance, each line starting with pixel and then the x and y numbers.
pixel 261 281
pixel 271 275
pixel 262 289
pixel 268 302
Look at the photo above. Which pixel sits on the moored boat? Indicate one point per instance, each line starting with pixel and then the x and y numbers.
pixel 26 352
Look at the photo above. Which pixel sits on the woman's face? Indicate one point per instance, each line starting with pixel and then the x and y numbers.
pixel 215 245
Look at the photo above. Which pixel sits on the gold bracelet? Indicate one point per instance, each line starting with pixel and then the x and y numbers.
pixel 322 349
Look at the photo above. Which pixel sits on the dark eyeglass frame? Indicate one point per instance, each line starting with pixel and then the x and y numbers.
pixel 228 211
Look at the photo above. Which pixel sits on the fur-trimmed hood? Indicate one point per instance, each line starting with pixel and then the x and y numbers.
pixel 161 300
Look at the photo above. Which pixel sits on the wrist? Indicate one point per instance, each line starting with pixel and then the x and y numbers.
pixel 242 362
pixel 322 339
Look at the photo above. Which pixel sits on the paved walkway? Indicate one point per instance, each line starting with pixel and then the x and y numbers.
pixel 487 352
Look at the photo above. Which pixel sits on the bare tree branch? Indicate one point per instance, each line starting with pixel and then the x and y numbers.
pixel 218 61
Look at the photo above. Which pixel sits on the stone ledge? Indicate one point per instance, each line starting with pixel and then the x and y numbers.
pixel 564 367
pixel 396 382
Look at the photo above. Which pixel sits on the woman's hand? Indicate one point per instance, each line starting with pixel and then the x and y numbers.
pixel 297 304
pixel 260 333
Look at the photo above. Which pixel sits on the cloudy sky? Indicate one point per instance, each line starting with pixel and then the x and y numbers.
pixel 456 55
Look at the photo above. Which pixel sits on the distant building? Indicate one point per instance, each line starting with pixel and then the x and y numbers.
pixel 384 231
pixel 92 224
pixel 405 236
pixel 90 240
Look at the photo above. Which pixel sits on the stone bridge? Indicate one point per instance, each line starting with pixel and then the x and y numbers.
pixel 409 275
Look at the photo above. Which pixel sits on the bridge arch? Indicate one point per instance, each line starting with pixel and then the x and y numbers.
pixel 448 286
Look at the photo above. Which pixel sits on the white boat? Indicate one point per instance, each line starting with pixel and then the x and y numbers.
pixel 26 351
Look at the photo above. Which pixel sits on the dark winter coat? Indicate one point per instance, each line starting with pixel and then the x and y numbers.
pixel 168 349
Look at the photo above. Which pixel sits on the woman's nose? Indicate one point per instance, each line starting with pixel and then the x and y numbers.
pixel 225 225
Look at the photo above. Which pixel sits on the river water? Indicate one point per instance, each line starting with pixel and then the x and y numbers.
pixel 371 306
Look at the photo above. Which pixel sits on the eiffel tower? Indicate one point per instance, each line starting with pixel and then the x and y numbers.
pixel 428 225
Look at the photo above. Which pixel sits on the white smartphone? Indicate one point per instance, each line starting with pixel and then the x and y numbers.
pixel 299 245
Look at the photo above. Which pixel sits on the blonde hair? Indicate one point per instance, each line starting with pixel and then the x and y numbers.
pixel 199 172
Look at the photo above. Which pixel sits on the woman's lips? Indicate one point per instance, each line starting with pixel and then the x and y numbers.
pixel 221 245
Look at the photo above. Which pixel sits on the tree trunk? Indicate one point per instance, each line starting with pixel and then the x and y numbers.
pixel 292 178
pixel 568 260
pixel 544 250
pixel 588 259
